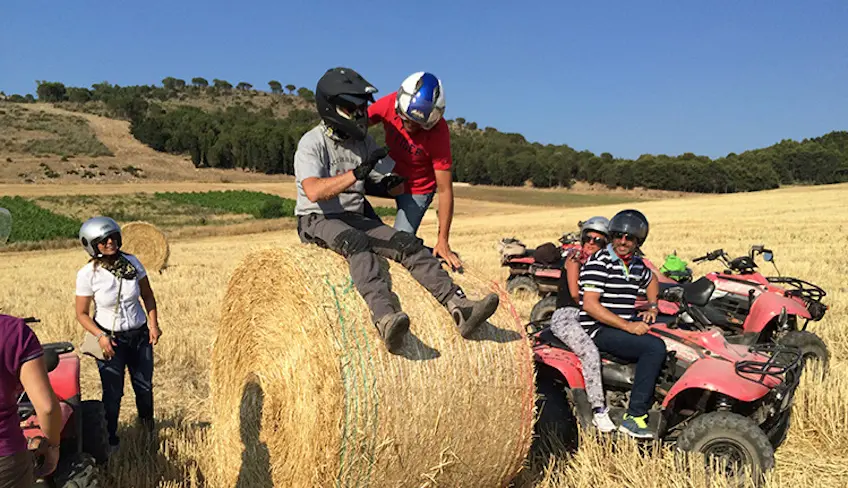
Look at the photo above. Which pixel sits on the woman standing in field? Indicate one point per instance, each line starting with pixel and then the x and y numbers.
pixel 22 368
pixel 115 281
pixel 565 323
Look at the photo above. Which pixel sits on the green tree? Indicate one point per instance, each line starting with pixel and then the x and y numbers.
pixel 275 86
pixel 222 84
pixel 244 86
pixel 306 94
pixel 79 95
pixel 290 88
pixel 199 82
pixel 50 91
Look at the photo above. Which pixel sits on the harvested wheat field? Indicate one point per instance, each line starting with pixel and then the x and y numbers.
pixel 805 227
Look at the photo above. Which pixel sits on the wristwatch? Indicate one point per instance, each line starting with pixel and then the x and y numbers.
pixel 653 305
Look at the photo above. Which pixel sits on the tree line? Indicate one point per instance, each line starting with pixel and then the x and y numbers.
pixel 259 141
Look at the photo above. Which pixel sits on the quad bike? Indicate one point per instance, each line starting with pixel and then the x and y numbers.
pixel 526 274
pixel 746 304
pixel 727 401
pixel 85 441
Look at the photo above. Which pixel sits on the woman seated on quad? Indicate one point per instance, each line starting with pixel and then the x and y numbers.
pixel 565 322
pixel 22 368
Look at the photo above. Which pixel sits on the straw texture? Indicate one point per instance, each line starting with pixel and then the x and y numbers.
pixel 306 394
pixel 146 242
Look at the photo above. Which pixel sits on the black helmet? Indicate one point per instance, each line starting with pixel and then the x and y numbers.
pixel 342 97
pixel 631 222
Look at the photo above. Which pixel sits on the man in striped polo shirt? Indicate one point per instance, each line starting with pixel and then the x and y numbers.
pixel 610 282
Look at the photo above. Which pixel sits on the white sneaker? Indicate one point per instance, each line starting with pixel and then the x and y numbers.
pixel 603 421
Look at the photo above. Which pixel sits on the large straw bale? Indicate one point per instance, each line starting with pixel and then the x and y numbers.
pixel 146 242
pixel 305 393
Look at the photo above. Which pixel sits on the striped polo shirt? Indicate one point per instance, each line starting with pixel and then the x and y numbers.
pixel 618 283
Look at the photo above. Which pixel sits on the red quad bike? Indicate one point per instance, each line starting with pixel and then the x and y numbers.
pixel 746 304
pixel 85 440
pixel 526 275
pixel 728 401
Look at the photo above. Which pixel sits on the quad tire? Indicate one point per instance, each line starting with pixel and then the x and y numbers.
pixel 544 309
pixel 95 437
pixel 522 285
pixel 811 346
pixel 556 427
pixel 777 432
pixel 735 438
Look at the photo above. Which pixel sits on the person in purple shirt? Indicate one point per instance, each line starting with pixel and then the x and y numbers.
pixel 22 369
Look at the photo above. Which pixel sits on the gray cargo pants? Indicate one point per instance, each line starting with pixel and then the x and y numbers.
pixel 359 239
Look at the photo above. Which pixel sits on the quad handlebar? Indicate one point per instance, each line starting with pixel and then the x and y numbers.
pixel 742 264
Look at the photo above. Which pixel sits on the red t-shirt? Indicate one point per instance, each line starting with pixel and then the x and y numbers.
pixel 18 345
pixel 417 156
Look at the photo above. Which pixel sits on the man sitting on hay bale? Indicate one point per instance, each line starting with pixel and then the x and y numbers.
pixel 331 163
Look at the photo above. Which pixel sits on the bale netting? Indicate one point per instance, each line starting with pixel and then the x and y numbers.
pixel 306 394
pixel 146 242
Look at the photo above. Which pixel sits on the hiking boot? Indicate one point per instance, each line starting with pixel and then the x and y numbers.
pixel 469 314
pixel 602 420
pixel 636 426
pixel 392 328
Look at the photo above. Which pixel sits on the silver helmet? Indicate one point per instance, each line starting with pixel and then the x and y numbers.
pixel 95 230
pixel 597 224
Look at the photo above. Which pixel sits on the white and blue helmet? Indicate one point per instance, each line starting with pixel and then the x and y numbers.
pixel 421 99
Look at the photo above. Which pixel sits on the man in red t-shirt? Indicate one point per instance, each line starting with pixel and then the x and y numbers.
pixel 419 143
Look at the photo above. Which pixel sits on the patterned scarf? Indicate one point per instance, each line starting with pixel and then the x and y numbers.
pixel 121 267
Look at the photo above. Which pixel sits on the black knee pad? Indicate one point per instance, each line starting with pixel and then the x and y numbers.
pixel 406 244
pixel 351 241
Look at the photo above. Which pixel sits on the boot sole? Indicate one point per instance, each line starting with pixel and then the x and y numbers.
pixel 473 322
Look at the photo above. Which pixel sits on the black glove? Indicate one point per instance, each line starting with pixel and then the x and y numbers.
pixel 365 167
pixel 392 180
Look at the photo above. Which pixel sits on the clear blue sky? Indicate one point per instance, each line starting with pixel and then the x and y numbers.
pixel 710 77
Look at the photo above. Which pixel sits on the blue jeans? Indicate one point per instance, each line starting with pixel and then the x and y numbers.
pixel 133 352
pixel 647 351
pixel 410 211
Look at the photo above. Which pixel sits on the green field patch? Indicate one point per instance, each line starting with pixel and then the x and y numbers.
pixel 32 223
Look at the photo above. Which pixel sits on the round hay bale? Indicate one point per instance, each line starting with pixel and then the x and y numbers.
pixel 146 242
pixel 306 394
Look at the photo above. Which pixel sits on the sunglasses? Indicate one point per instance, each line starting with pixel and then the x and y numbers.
pixel 598 241
pixel 627 237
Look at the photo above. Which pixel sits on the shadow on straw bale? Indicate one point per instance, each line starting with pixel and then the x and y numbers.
pixel 337 408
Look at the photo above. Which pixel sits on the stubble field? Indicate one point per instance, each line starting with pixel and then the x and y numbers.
pixel 806 227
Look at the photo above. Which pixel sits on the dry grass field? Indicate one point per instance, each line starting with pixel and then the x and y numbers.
pixel 806 228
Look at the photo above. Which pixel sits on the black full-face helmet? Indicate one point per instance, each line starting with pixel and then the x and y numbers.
pixel 342 97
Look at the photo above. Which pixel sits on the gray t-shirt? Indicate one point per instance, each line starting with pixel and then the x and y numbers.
pixel 320 156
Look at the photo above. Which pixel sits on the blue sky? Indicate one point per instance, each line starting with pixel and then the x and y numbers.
pixel 623 77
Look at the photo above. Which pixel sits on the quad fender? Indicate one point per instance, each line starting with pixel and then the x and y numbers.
pixel 565 362
pixel 766 307
pixel 65 379
pixel 718 376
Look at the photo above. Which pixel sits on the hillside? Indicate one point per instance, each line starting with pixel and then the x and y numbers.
pixel 225 128
pixel 41 143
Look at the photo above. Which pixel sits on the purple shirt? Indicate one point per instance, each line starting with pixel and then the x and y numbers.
pixel 18 345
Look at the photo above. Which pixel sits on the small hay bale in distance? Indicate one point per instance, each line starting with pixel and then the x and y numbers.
pixel 146 242
pixel 305 392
